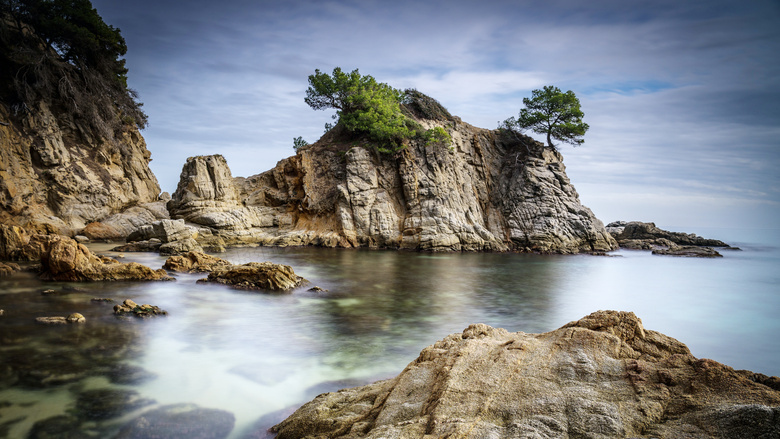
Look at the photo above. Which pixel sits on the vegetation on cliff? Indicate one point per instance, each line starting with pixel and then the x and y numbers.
pixel 61 52
pixel 553 113
pixel 383 114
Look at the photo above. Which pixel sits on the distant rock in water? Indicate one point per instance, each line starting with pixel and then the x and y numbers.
pixel 487 190
pixel 603 376
pixel 646 236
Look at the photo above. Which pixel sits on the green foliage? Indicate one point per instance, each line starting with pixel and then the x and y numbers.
pixel 364 106
pixel 551 112
pixel 61 51
pixel 299 143
pixel 437 136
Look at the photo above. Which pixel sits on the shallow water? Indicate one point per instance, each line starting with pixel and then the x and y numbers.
pixel 254 354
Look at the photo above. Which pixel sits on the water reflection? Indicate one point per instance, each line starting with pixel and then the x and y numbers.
pixel 253 354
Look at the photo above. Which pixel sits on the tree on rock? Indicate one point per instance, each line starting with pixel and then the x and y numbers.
pixel 362 105
pixel 554 113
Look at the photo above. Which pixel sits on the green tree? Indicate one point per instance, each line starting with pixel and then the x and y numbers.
pixel 554 113
pixel 299 143
pixel 362 105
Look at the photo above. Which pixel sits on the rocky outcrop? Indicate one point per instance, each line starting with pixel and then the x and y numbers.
pixel 119 225
pixel 257 276
pixel 487 190
pixel 637 235
pixel 169 237
pixel 54 177
pixel 195 262
pixel 604 376
pixel 64 259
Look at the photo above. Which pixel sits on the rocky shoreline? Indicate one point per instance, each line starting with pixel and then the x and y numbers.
pixel 603 376
pixel 637 235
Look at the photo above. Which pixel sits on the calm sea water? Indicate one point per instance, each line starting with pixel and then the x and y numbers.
pixel 254 354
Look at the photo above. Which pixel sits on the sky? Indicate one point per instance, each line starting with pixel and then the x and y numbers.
pixel 682 97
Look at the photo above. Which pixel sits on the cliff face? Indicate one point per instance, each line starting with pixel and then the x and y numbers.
pixel 484 191
pixel 55 177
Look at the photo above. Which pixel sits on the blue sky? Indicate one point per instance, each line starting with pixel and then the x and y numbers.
pixel 682 97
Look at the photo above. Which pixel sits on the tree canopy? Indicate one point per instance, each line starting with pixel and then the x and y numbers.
pixel 554 113
pixel 362 105
pixel 79 63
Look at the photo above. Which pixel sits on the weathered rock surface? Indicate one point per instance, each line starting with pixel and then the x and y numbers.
pixel 57 178
pixel 604 376
pixel 169 237
pixel 257 276
pixel 485 191
pixel 128 307
pixel 195 262
pixel 6 268
pixel 637 235
pixel 64 259
pixel 119 225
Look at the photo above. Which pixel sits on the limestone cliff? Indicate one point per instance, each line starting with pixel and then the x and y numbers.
pixel 70 148
pixel 486 190
pixel 53 177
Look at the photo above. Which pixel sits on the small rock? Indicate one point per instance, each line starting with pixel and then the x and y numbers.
pixel 48 292
pixel 317 289
pixel 2 312
pixel 130 307
pixel 101 299
pixel 689 251
pixel 52 320
pixel 6 268
pixel 76 318
pixel 81 239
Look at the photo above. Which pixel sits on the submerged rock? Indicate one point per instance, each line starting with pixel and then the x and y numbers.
pixel 603 376
pixel 99 404
pixel 688 251
pixel 257 276
pixel 179 421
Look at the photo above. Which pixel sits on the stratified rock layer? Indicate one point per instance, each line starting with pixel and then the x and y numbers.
pixel 486 191
pixel 604 376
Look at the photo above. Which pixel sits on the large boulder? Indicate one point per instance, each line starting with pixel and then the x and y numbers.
pixel 604 376
pixel 257 276
pixel 169 237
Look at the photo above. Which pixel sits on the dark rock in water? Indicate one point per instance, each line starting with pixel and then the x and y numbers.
pixel 58 427
pixel 101 300
pixel 646 236
pixel 99 404
pixel 257 276
pixel 688 251
pixel 603 376
pixel 179 421
pixel 128 307
pixel 128 374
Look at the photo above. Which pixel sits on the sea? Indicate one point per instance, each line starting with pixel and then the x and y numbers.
pixel 259 356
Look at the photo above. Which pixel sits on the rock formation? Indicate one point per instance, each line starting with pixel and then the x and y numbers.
pixel 487 190
pixel 257 276
pixel 637 235
pixel 604 376
pixel 64 259
pixel 169 237
pixel 195 262
pixel 70 151
pixel 128 307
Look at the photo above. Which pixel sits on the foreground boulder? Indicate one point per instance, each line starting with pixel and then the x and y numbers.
pixel 257 276
pixel 604 376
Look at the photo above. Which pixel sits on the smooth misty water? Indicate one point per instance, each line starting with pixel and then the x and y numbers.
pixel 254 354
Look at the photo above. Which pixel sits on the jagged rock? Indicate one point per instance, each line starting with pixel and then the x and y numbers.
pixel 257 276
pixel 688 251
pixel 120 225
pixel 55 178
pixel 603 376
pixel 646 236
pixel 174 237
pixel 486 192
pixel 132 308
pixel 195 262
pixel 6 268
pixel 12 238
pixel 67 260
pixel 179 421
